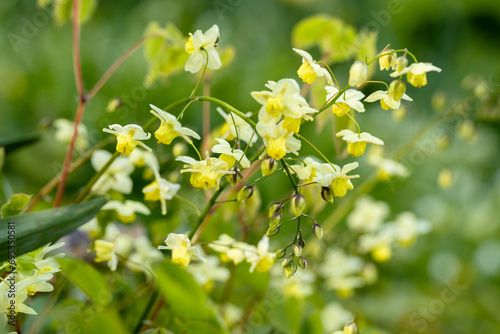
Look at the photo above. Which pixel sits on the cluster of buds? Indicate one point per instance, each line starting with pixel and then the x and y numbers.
pixel 289 263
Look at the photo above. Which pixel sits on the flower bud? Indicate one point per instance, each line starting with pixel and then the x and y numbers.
pixel 358 73
pixel 274 208
pixel 280 253
pixel 327 194
pixel 272 232
pixel 298 204
pixel 268 166
pixel 303 263
pixel 234 178
pixel 301 242
pixel 285 261
pixel 397 89
pixel 401 63
pixel 114 104
pixel 245 193
pixel 350 328
pixel 297 250
pixel 388 60
pixel 318 231
pixel 275 220
pixel 290 269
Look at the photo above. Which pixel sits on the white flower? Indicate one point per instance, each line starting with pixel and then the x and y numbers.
pixel 357 142
pixel 143 256
pixel 206 173
pixel 209 271
pixel 386 101
pixel 378 244
pixel 237 126
pixel 171 128
pixel 116 177
pixel 387 167
pixel 310 69
pixel 182 251
pixel 368 215
pixel 230 249
pixel 126 210
pixel 416 73
pixel 358 73
pixel 351 98
pixel 161 190
pixel 64 133
pixel 334 317
pixel 128 137
pixel 199 46
pixel 309 171
pixel 407 227
pixel 230 155
pixel 260 258
pixel 337 178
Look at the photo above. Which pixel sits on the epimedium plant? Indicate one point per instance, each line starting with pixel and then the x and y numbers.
pixel 270 138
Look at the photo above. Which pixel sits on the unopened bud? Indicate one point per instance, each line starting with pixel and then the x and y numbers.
pixel 301 242
pixel 298 204
pixel 303 263
pixel 350 328
pixel 275 220
pixel 401 63
pixel 114 104
pixel 397 89
pixel 290 269
pixel 297 250
pixel 272 232
pixel 388 60
pixel 327 194
pixel 268 166
pixel 318 231
pixel 280 253
pixel 274 208
pixel 285 261
pixel 234 178
pixel 245 193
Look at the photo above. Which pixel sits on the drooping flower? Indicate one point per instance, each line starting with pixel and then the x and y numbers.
pixel 182 251
pixel 116 177
pixel 260 258
pixel 407 227
pixel 143 256
pixel 378 244
pixel 387 168
pixel 284 99
pixel 368 215
pixel 310 69
pixel 388 60
pixel 358 73
pixel 206 174
pixel 200 46
pixel 105 251
pixel 337 178
pixel 386 101
pixel 356 143
pixel 230 249
pixel 307 172
pixel 161 190
pixel 126 210
pixel 230 155
pixel 170 128
pixel 128 137
pixel 278 141
pixel 416 73
pixel 64 133
pixel 206 273
pixel 351 98
pixel 237 126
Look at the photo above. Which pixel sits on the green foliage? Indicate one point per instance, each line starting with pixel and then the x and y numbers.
pixel 12 143
pixel 35 229
pixel 62 9
pixel 15 205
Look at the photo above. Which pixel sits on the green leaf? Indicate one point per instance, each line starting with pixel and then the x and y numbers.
pixel 310 31
pixel 15 205
pixel 63 10
pixel 87 278
pixel 13 143
pixel 36 229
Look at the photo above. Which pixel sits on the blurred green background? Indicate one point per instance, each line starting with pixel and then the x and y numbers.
pixel 461 37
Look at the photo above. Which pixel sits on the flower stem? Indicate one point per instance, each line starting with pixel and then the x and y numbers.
pixel 287 171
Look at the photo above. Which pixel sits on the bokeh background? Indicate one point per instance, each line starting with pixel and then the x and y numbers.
pixel 461 37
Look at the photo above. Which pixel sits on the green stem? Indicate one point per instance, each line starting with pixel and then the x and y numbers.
pixel 287 171
pixel 96 177
pixel 205 211
pixel 182 199
pixel 329 70
pixel 317 150
pixel 332 101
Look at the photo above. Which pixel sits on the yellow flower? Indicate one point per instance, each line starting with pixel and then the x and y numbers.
pixel 182 251
pixel 128 137
pixel 160 190
pixel 388 60
pixel 126 210
pixel 416 73
pixel 230 155
pixel 386 101
pixel 105 251
pixel 206 174
pixel 278 141
pixel 356 143
pixel 349 99
pixel 200 46
pixel 260 258
pixel 235 125
pixel 310 70
pixel 358 73
pixel 337 178
pixel 170 128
